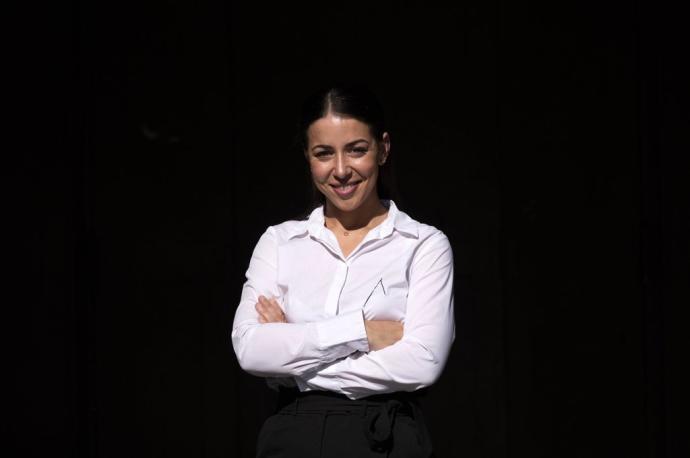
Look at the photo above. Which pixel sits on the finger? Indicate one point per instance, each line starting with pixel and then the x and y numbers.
pixel 268 314
pixel 273 315
pixel 261 309
pixel 278 317
pixel 270 309
pixel 267 303
pixel 273 303
pixel 273 307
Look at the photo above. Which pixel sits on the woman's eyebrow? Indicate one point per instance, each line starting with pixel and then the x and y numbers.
pixel 353 143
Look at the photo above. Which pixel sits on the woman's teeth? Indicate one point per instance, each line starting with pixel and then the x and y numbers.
pixel 346 189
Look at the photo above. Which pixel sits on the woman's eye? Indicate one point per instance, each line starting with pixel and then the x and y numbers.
pixel 360 150
pixel 321 153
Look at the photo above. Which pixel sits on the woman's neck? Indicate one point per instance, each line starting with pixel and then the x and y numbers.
pixel 369 213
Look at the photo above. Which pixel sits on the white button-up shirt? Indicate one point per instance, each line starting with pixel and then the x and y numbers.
pixel 402 270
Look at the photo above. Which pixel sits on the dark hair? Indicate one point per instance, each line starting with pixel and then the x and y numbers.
pixel 352 100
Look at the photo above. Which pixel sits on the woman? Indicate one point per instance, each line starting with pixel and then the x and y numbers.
pixel 349 312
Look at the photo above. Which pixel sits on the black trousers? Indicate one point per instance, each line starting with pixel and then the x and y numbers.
pixel 319 424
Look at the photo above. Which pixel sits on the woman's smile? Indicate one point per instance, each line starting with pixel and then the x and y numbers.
pixel 346 190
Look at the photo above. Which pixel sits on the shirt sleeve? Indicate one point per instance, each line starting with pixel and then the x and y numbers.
pixel 416 360
pixel 287 349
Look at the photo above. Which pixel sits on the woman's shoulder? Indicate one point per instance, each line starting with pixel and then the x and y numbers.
pixel 431 243
pixel 295 226
pixel 430 240
pixel 287 229
pixel 422 230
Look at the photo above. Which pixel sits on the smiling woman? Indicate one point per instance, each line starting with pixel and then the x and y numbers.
pixel 344 159
pixel 359 109
pixel 348 313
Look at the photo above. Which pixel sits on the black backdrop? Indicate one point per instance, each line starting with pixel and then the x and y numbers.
pixel 548 141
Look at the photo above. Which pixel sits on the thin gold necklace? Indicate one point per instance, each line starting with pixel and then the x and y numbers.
pixel 345 233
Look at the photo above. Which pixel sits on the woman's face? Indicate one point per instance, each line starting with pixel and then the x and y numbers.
pixel 344 160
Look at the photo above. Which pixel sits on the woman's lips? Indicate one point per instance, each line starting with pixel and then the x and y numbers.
pixel 346 191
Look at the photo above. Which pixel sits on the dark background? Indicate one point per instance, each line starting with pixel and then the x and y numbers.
pixel 549 142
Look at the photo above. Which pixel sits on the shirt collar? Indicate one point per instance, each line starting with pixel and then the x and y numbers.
pixel 395 220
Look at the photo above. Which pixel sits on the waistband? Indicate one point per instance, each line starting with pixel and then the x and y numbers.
pixel 291 400
pixel 378 412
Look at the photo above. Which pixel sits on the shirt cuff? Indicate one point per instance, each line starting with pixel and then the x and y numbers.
pixel 346 329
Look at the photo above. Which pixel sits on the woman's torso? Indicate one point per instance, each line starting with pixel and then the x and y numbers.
pixel 319 278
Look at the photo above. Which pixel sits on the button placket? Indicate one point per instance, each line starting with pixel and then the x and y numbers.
pixel 340 277
pixel 336 289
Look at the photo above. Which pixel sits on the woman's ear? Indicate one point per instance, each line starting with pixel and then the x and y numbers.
pixel 385 148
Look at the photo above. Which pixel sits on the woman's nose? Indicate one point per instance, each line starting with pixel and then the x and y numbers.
pixel 342 168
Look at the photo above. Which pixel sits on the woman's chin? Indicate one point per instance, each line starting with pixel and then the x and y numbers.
pixel 345 205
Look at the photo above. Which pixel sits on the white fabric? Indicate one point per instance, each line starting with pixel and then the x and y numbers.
pixel 402 270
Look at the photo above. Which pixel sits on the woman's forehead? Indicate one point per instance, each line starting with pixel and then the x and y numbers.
pixel 336 128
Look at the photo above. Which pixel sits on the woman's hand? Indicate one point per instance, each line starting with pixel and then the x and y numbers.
pixel 269 311
pixel 382 333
